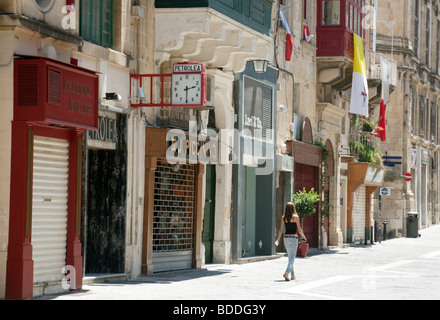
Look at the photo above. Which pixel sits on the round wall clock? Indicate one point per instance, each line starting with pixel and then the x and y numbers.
pixel 189 85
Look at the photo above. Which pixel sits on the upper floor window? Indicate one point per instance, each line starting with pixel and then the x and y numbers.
pixel 331 11
pixel 422 117
pixel 346 13
pixel 416 27
pixel 96 21
pixel 428 36
pixel 433 122
pixel 437 49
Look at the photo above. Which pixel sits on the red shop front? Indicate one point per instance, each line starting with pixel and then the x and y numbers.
pixel 54 104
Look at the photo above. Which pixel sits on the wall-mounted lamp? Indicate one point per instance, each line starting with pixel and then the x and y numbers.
pixel 260 65
pixel 113 96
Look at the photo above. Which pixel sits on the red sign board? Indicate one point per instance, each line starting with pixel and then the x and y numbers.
pixel 53 92
pixel 407 176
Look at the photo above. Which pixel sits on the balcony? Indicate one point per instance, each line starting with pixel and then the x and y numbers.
pixel 363 140
pixel 219 33
pixel 255 14
pixel 376 73
pixel 336 22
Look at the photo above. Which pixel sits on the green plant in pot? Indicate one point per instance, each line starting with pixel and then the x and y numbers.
pixel 305 205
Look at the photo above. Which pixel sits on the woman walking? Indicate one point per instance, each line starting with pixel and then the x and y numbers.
pixel 290 220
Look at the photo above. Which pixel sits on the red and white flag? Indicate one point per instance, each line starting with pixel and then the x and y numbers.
pixel 289 37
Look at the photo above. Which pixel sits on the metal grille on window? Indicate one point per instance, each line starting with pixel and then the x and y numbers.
pixel 174 206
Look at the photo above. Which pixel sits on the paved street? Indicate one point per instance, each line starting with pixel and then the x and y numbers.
pixel 402 269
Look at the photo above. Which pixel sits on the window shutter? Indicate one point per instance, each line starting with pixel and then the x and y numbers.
pixel 85 14
pixel 107 23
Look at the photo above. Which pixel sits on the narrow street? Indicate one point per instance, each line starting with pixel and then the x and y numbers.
pixel 396 269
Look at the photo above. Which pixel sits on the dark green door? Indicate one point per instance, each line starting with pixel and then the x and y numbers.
pixel 208 218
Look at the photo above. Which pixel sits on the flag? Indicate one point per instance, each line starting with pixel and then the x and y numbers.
pixel 289 38
pixel 385 68
pixel 307 36
pixel 381 133
pixel 359 89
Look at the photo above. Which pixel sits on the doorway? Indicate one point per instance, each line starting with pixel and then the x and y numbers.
pixel 209 214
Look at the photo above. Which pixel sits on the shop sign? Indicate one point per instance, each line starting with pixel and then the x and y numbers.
pixel 106 135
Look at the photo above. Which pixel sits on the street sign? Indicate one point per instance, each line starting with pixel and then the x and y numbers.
pixel 386 192
pixel 407 176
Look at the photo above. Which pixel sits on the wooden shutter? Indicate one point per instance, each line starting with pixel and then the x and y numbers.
pixel 107 23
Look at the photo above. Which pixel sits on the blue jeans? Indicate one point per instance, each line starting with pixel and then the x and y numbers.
pixel 291 244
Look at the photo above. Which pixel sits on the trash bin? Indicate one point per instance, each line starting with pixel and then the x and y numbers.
pixel 412 225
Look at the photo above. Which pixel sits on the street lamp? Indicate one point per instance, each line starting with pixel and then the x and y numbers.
pixel 260 65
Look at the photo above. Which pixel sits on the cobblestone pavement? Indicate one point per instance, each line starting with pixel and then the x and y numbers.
pixel 397 269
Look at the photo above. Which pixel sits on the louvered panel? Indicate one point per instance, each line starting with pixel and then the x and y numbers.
pixel 267 112
pixel 49 208
pixel 28 85
pixel 359 215
pixel 54 90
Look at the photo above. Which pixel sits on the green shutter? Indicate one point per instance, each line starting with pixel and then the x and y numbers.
pixel 107 23
pixel 96 21
pixel 85 13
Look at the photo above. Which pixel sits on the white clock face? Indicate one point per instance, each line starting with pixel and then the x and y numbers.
pixel 187 89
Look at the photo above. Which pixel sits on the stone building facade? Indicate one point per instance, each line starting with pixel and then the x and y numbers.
pixel 408 33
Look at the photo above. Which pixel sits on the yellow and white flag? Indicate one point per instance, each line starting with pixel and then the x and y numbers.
pixel 359 90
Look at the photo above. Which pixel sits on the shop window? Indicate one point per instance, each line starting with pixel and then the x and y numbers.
pixel 96 21
pixel 257 107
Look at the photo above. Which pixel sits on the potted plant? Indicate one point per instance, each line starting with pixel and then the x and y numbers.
pixel 362 142
pixel 305 204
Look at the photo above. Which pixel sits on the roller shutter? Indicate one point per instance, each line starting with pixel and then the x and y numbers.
pixel 174 212
pixel 49 208
pixel 359 215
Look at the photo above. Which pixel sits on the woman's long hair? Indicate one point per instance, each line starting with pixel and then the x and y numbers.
pixel 289 212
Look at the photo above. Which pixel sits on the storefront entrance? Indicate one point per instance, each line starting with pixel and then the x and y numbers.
pixel 172 233
pixel 54 104
pixel 209 214
pixel 173 216
pixel 49 208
